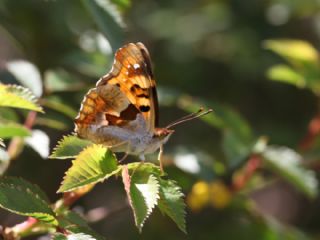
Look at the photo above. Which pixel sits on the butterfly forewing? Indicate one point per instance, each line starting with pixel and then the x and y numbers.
pixel 127 90
pixel 132 72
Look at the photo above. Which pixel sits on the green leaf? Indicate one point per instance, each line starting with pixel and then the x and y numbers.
pixel 69 147
pixel 288 164
pixel 27 74
pixel 9 114
pixel 286 74
pixel 143 192
pixel 18 97
pixel 123 4
pixel 171 202
pixel 23 198
pixel 10 129
pixel 58 236
pixel 290 49
pixel 107 19
pixel 94 164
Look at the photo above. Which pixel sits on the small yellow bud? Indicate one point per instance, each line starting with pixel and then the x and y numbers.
pixel 220 195
pixel 199 196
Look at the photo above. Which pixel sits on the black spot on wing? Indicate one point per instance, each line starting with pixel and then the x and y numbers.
pixel 142 95
pixel 144 108
pixel 136 87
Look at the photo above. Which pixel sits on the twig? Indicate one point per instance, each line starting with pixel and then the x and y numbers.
pixel 250 168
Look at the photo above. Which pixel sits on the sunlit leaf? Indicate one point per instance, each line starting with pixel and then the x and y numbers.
pixel 171 202
pixel 291 49
pixel 122 4
pixel 10 129
pixel 18 97
pixel 288 164
pixel 108 19
pixel 94 164
pixel 143 192
pixel 286 74
pixel 69 147
pixel 40 142
pixel 23 198
pixel 27 74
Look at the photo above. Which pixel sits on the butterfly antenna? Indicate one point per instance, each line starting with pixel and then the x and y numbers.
pixel 189 117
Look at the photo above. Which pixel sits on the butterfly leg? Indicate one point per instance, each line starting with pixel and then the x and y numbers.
pixel 160 157
pixel 124 157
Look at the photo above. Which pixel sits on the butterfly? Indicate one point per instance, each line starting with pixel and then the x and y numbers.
pixel 121 111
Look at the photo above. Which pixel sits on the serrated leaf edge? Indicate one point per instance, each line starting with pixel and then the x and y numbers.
pixel 59 144
pixel 33 99
pixel 12 186
pixel 100 180
pixel 150 210
pixel 181 195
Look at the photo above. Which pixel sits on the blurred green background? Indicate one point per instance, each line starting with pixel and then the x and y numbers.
pixel 205 53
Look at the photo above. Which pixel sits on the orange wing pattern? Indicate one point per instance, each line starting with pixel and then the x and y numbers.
pixel 132 72
pixel 127 90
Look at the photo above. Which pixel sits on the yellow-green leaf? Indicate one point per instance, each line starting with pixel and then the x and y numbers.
pixel 94 164
pixel 143 192
pixel 69 147
pixel 291 49
pixel 10 129
pixel 18 97
pixel 286 74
